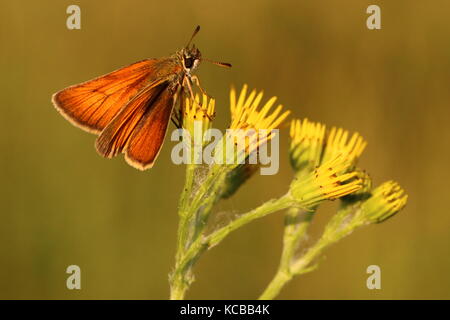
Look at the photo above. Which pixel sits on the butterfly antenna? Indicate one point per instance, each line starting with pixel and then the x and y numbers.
pixel 197 29
pixel 221 64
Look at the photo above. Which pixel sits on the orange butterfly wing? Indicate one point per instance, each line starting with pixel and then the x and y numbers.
pixel 91 105
pixel 148 136
pixel 116 134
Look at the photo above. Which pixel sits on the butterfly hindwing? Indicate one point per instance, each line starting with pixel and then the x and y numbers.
pixel 147 138
pixel 114 137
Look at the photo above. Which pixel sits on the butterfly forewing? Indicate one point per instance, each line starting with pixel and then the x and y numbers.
pixel 93 104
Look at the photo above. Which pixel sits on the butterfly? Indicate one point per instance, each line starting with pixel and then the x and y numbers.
pixel 130 108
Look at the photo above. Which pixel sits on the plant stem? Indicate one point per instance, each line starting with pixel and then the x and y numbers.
pixel 177 292
pixel 278 282
pixel 194 212
pixel 178 285
pixel 195 206
pixel 296 225
pixel 261 211
pixel 183 227
pixel 335 230
pixel 303 264
pixel 202 244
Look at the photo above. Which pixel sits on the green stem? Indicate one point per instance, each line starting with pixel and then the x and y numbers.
pixel 301 266
pixel 304 264
pixel 296 225
pixel 336 229
pixel 195 206
pixel 275 286
pixel 289 267
pixel 183 212
pixel 207 201
pixel 177 292
pixel 202 244
pixel 179 285
pixel 261 211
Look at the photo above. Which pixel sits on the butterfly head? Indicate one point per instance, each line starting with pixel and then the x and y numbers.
pixel 190 58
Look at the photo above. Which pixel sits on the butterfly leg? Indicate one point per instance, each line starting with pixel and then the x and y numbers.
pixel 175 118
pixel 187 83
pixel 177 115
pixel 197 82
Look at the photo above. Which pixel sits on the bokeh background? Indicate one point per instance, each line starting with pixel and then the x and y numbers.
pixel 62 204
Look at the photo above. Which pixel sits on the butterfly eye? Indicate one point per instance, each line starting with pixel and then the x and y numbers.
pixel 188 62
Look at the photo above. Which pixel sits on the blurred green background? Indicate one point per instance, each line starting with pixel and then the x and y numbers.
pixel 62 204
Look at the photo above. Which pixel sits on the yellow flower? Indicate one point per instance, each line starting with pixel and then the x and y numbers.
pixel 198 115
pixel 196 110
pixel 361 194
pixel 244 136
pixel 326 182
pixel 337 143
pixel 312 145
pixel 385 201
pixel 247 119
pixel 306 144
pixel 245 113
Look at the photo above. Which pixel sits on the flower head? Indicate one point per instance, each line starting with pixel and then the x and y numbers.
pixel 306 144
pixel 251 126
pixel 245 113
pixel 198 115
pixel 250 129
pixel 326 182
pixel 361 194
pixel 386 200
pixel 338 143
pixel 312 145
